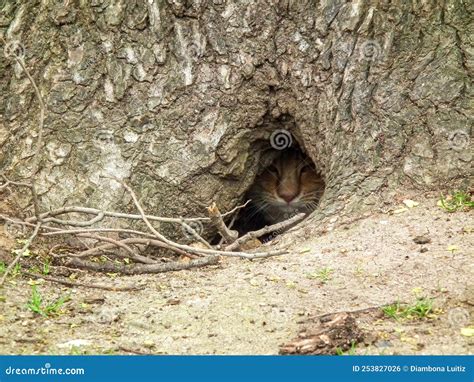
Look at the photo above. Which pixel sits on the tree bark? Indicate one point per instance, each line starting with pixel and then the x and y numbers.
pixel 179 97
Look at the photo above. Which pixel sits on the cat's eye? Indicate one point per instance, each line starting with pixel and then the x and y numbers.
pixel 273 169
pixel 306 168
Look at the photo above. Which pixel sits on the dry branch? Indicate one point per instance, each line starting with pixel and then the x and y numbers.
pixel 136 269
pixel 95 211
pixel 265 230
pixel 91 230
pixel 100 216
pixel 216 219
pixel 132 240
pixel 196 235
pixel 118 243
pixel 8 182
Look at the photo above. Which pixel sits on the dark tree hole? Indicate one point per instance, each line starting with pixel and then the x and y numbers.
pixel 287 183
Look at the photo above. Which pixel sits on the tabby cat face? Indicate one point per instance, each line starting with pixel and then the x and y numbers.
pixel 290 185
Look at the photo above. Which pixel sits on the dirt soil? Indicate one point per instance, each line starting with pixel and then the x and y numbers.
pixel 252 307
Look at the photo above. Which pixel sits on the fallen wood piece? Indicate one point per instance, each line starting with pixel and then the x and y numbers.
pixel 227 234
pixel 137 269
pixel 337 333
pixel 263 231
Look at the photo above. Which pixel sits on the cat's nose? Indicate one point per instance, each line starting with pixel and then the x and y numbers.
pixel 287 195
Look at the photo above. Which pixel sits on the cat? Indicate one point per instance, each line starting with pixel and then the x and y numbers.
pixel 290 185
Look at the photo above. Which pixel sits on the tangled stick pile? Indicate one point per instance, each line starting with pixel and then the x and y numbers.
pixel 133 244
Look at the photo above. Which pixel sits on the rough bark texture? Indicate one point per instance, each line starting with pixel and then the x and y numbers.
pixel 178 97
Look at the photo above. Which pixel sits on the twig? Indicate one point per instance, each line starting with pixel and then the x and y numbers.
pixel 122 244
pixel 39 142
pixel 95 211
pixel 236 209
pixel 40 219
pixel 84 285
pixel 23 223
pixel 216 219
pixel 196 235
pixel 138 352
pixel 325 337
pixel 136 269
pixel 230 225
pixel 90 230
pixel 147 240
pixel 8 182
pixel 267 229
pixel 109 240
pixel 20 253
pixel 87 223
pixel 132 240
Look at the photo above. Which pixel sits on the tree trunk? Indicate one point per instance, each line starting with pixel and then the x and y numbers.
pixel 179 97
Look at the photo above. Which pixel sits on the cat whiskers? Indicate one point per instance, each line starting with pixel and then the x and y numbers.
pixel 258 206
pixel 311 201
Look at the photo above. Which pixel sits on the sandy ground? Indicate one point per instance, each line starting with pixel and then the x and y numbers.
pixel 252 307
